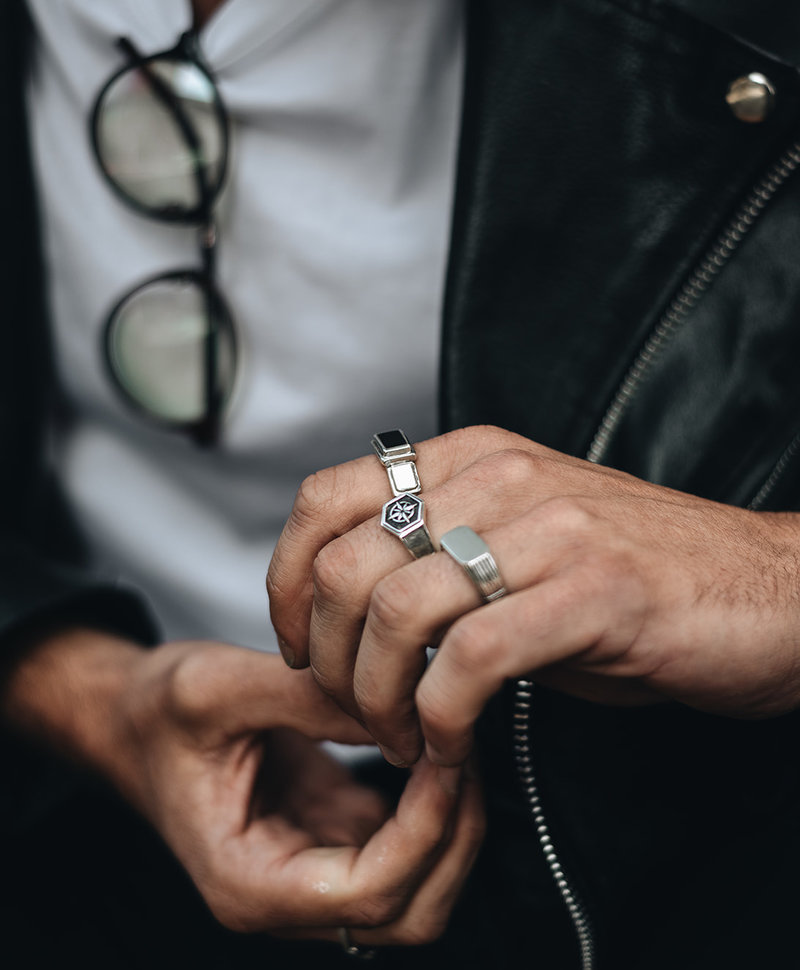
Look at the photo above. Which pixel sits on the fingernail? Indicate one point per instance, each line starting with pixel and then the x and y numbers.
pixel 393 758
pixel 286 652
pixel 449 779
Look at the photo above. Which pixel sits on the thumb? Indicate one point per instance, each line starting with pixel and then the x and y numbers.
pixel 250 691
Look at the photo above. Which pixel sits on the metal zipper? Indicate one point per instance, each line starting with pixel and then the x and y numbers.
pixel 689 295
pixel 775 475
pixel 527 776
pixel 675 316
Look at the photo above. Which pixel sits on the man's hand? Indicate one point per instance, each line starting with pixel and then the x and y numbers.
pixel 212 744
pixel 619 591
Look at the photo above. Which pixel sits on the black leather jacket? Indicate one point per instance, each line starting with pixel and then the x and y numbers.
pixel 624 283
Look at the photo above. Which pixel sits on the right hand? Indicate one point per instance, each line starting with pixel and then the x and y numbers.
pixel 213 744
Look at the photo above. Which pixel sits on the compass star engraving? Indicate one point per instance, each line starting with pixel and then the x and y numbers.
pixel 402 512
pixel 404 517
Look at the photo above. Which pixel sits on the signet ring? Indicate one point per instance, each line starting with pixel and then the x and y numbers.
pixel 473 555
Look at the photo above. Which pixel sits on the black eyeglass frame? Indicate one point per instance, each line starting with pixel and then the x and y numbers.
pixel 205 430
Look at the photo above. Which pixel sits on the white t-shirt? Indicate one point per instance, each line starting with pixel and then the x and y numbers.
pixel 333 232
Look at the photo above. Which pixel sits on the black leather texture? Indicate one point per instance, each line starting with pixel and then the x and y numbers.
pixel 600 164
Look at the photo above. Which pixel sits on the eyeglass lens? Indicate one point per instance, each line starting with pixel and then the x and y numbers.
pixel 157 346
pixel 156 126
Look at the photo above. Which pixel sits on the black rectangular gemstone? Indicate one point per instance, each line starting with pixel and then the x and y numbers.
pixel 389 440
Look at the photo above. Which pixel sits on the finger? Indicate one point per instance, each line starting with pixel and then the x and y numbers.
pixel 225 691
pixel 345 886
pixel 331 503
pixel 297 702
pixel 408 609
pixel 557 620
pixel 345 573
pixel 328 504
pixel 347 570
pixel 410 606
pixel 347 585
pixel 425 918
pixel 334 501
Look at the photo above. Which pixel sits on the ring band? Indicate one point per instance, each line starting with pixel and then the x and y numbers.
pixel 353 949
pixel 404 517
pixel 473 555
pixel 398 457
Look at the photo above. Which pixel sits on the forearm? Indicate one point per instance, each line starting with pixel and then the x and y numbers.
pixel 65 690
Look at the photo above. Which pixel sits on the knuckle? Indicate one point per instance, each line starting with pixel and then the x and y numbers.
pixel 515 465
pixel 313 495
pixel 375 909
pixel 567 514
pixel 510 469
pixel 232 907
pixel 334 569
pixel 472 645
pixel 384 715
pixel 430 929
pixel 390 718
pixel 234 916
pixel 476 439
pixel 327 681
pixel 190 687
pixel 399 733
pixel 275 589
pixel 393 601
pixel 419 931
pixel 323 494
pixel 282 604
pixel 228 915
pixel 438 706
pixel 375 714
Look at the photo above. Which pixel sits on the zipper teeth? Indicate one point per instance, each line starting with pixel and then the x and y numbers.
pixel 689 295
pixel 780 467
pixel 527 776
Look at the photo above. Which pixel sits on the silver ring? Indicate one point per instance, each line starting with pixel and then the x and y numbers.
pixel 353 949
pixel 404 517
pixel 473 555
pixel 398 457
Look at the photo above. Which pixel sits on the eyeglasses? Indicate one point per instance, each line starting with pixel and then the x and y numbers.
pixel 160 133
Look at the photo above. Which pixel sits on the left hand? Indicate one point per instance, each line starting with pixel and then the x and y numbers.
pixel 619 590
pixel 212 743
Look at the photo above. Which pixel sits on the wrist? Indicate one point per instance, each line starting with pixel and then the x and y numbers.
pixel 66 692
